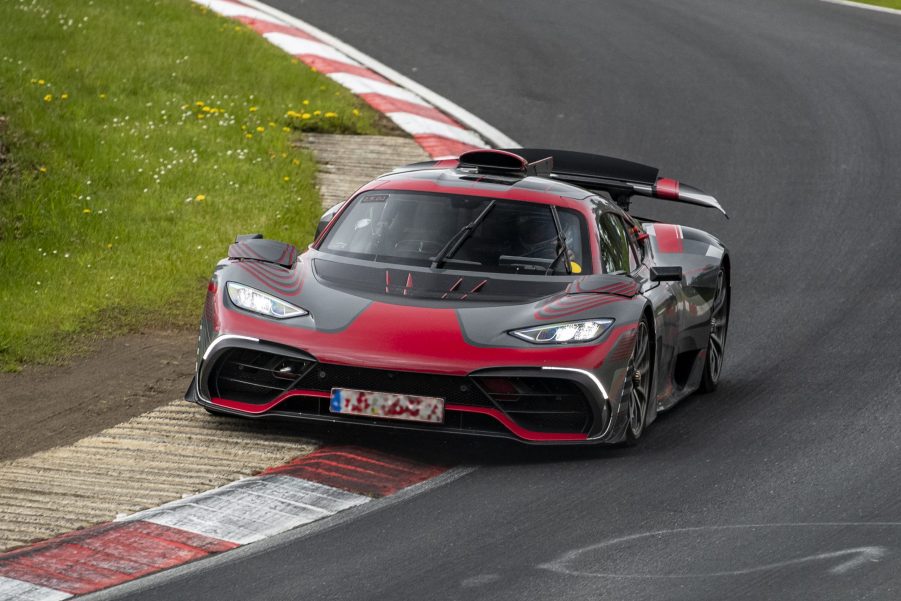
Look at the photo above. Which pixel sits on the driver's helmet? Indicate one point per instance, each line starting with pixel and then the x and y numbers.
pixel 537 236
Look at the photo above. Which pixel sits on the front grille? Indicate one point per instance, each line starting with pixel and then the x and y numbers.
pixel 453 389
pixel 252 376
pixel 540 404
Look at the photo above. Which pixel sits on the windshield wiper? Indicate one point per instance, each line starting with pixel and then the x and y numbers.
pixel 457 240
pixel 561 240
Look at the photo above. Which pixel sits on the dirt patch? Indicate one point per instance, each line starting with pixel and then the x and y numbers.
pixel 48 406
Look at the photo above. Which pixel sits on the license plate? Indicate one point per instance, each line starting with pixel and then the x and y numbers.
pixel 388 405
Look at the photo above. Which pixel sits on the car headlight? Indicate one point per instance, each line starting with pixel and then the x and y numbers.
pixel 562 333
pixel 262 303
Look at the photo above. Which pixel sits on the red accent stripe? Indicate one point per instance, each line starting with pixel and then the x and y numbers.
pixel 514 428
pixel 357 470
pixel 325 65
pixel 669 237
pixel 262 27
pixel 667 188
pixel 257 409
pixel 438 146
pixel 386 104
pixel 106 555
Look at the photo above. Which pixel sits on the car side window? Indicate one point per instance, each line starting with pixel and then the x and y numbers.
pixel 616 254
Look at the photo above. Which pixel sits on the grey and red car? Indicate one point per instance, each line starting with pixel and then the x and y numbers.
pixel 501 293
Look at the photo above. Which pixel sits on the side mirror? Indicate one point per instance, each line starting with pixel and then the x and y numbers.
pixel 666 274
pixel 326 218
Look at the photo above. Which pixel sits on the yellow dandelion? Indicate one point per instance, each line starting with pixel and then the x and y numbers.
pixel 317 113
pixel 41 82
pixel 206 109
pixel 86 210
pixel 200 197
pixel 295 161
pixel 286 129
pixel 286 178
pixel 64 96
pixel 42 169
pixel 103 97
pixel 272 124
pixel 48 98
pixel 253 109
pixel 200 115
pixel 331 115
pixel 199 103
pixel 260 128
pixel 356 112
pixel 306 102
pixel 305 116
pixel 110 245
pixel 248 136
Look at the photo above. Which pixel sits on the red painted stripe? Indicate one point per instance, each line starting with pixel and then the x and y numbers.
pixel 262 27
pixel 669 237
pixel 514 428
pixel 357 470
pixel 386 104
pixel 325 65
pixel 438 146
pixel 667 188
pixel 256 409
pixel 106 555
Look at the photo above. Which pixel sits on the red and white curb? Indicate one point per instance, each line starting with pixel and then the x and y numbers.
pixel 409 105
pixel 310 488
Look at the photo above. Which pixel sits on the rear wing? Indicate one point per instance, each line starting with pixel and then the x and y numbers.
pixel 619 178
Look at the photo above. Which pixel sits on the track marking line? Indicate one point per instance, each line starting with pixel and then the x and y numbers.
pixel 881 9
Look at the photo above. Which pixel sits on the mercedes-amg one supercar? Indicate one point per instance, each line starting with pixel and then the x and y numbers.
pixel 501 293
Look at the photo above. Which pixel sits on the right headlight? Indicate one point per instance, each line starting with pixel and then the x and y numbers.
pixel 563 333
pixel 262 303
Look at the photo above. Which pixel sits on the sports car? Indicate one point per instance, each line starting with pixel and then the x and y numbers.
pixel 506 293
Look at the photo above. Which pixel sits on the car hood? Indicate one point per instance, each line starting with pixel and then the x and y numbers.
pixel 408 318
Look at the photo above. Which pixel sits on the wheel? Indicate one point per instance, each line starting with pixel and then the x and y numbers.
pixel 716 345
pixel 636 391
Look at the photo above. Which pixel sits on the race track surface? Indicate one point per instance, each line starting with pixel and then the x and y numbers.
pixel 785 483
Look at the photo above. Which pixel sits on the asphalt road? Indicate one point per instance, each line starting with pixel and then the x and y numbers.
pixel 788 111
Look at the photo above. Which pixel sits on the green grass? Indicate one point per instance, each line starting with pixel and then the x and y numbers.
pixel 886 3
pixel 140 137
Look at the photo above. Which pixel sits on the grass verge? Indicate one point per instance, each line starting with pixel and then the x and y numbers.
pixel 140 136
pixel 885 3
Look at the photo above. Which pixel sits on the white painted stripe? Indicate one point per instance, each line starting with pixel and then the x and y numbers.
pixel 490 133
pixel 11 589
pixel 295 45
pixel 882 9
pixel 366 85
pixel 253 509
pixel 419 125
pixel 232 9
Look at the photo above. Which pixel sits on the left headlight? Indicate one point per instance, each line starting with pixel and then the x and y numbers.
pixel 262 303
pixel 562 333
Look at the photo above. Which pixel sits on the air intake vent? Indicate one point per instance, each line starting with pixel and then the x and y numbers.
pixel 257 377
pixel 540 404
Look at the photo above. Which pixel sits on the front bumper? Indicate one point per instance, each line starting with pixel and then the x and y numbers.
pixel 253 378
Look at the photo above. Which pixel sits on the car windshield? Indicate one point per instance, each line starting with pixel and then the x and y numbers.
pixel 418 228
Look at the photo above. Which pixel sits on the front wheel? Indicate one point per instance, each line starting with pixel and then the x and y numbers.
pixel 636 391
pixel 716 345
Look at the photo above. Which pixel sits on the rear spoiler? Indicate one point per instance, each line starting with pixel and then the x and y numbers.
pixel 620 178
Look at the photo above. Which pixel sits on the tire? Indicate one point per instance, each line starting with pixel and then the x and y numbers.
pixel 716 344
pixel 636 391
